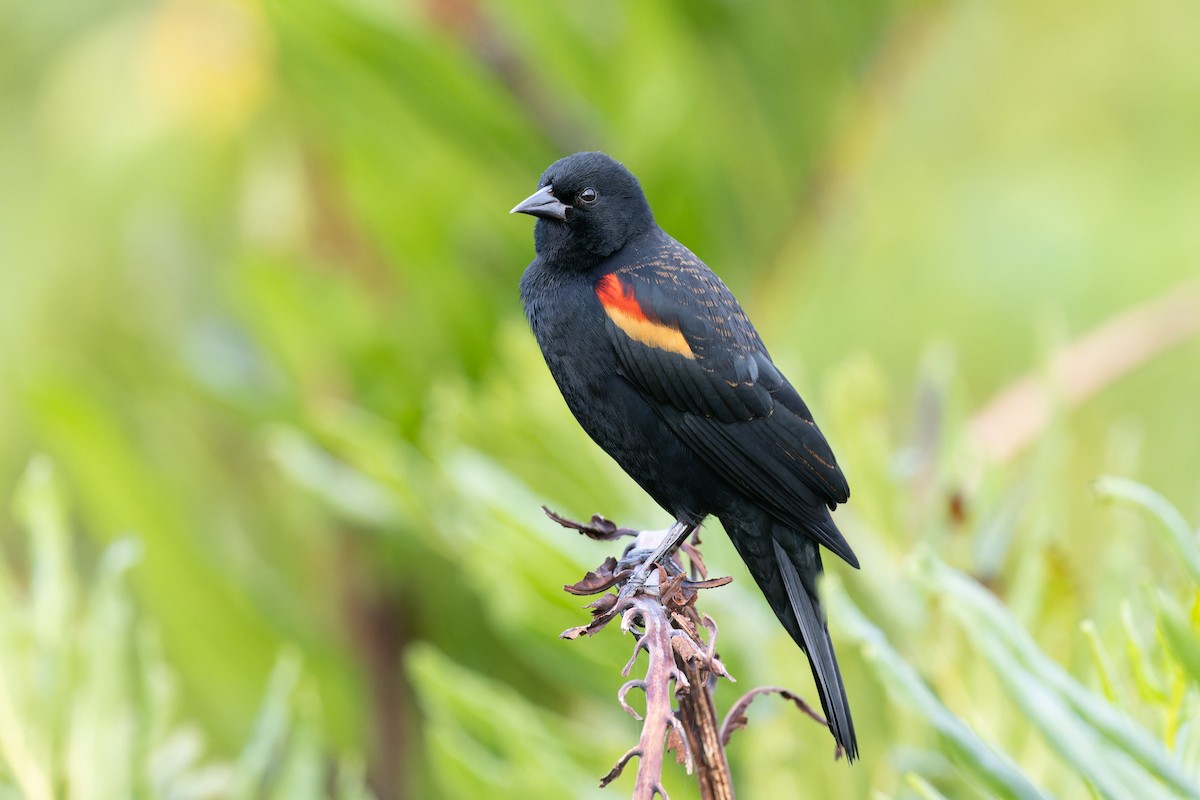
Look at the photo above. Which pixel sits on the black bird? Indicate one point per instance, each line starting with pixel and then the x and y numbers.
pixel 661 367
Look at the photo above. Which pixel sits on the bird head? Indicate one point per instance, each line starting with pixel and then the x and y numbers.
pixel 588 206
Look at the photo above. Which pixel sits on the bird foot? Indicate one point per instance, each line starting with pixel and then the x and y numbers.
pixel 650 550
pixel 640 563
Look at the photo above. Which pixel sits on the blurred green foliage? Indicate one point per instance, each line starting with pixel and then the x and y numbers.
pixel 258 308
pixel 88 707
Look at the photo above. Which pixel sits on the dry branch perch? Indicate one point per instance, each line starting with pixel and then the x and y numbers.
pixel 682 667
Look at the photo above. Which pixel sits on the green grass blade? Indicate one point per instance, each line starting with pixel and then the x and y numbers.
pixel 269 739
pixel 40 508
pixel 1179 535
pixel 1078 723
pixel 995 769
pixel 1101 659
pixel 924 789
pixel 1179 634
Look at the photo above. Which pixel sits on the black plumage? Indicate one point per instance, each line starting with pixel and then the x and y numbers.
pixel 661 367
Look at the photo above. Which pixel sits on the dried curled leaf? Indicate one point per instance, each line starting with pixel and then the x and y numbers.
pixel 676 745
pixel 603 578
pixel 598 528
pixel 602 605
pixel 619 767
pixel 736 718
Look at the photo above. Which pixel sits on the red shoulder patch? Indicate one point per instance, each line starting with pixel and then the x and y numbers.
pixel 622 307
pixel 616 297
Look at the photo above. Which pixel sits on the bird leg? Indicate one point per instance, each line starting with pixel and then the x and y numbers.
pixel 674 537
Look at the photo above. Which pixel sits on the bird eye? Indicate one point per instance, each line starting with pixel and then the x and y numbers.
pixel 588 195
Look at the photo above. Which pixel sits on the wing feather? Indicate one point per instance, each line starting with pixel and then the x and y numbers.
pixel 717 388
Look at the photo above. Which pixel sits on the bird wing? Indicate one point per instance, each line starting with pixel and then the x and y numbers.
pixel 683 340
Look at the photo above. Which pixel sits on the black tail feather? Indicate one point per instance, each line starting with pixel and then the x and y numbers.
pixel 786 564
pixel 814 635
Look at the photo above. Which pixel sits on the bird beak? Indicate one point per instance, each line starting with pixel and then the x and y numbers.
pixel 542 203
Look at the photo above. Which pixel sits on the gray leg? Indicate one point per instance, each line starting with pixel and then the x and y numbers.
pixel 671 540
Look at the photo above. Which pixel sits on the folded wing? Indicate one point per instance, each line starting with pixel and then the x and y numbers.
pixel 683 340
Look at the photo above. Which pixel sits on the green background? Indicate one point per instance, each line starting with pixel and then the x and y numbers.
pixel 274 435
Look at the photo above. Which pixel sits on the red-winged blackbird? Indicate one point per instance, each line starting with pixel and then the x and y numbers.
pixel 661 367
